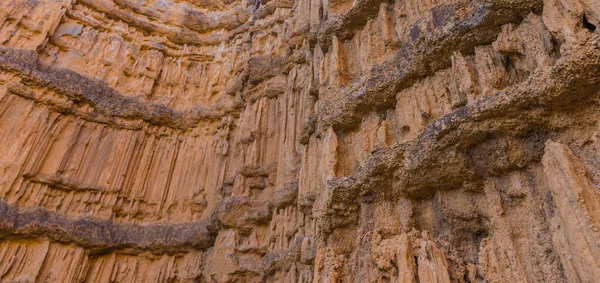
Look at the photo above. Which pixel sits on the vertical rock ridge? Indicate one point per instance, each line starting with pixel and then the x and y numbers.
pixel 299 141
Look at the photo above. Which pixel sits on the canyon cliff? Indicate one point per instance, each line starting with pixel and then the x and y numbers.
pixel 299 141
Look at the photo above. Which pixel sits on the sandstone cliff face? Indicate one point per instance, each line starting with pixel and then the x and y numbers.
pixel 299 141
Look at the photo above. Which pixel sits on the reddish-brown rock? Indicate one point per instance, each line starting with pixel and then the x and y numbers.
pixel 299 141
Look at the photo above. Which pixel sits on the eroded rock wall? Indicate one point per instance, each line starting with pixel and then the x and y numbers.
pixel 299 141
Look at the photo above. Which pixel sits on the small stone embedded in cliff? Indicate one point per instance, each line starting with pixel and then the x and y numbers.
pixel 299 141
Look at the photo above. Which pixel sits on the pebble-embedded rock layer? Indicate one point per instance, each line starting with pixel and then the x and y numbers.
pixel 299 141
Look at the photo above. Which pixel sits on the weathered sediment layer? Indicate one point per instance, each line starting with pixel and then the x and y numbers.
pixel 103 236
pixel 299 141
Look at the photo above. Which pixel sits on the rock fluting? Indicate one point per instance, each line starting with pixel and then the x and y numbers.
pixel 299 141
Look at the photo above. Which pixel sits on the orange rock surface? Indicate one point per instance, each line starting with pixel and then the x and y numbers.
pixel 299 141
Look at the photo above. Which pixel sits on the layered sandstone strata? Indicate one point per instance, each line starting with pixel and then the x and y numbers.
pixel 299 141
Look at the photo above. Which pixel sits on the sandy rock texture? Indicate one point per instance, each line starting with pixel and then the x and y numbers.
pixel 300 141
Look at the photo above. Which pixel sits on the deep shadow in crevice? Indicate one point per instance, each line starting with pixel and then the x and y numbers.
pixel 589 26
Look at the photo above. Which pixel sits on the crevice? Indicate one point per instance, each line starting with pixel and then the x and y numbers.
pixel 417 279
pixel 586 24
